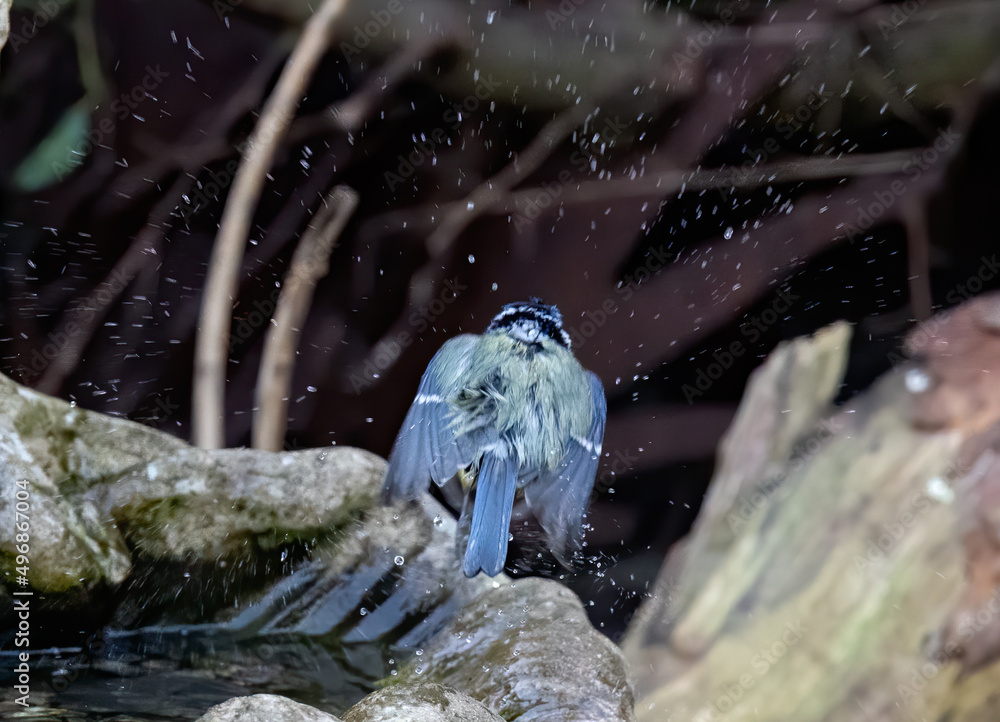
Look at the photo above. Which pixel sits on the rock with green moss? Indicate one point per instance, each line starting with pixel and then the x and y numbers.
pixel 96 490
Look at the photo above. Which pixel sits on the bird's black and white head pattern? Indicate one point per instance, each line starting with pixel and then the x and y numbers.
pixel 531 321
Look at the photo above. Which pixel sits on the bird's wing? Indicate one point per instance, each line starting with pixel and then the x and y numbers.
pixel 427 446
pixel 558 499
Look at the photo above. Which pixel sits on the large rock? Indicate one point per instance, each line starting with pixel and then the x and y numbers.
pixel 97 489
pixel 528 652
pixel 265 708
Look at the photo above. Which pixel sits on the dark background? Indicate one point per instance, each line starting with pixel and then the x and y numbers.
pixel 671 277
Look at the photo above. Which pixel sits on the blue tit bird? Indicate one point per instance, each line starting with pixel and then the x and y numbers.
pixel 505 413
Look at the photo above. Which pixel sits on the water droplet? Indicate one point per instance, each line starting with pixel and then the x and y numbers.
pixel 917 381
pixel 399 560
pixel 939 490
pixel 472 259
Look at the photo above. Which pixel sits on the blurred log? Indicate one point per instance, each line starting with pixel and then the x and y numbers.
pixel 845 565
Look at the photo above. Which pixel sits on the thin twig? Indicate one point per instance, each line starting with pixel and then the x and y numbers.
pixel 310 262
pixel 221 284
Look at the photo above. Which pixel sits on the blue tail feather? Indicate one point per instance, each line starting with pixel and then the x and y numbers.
pixel 490 528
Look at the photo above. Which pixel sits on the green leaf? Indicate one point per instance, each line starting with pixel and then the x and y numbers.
pixel 58 154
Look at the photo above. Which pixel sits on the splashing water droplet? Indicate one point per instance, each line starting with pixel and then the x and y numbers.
pixel 917 381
